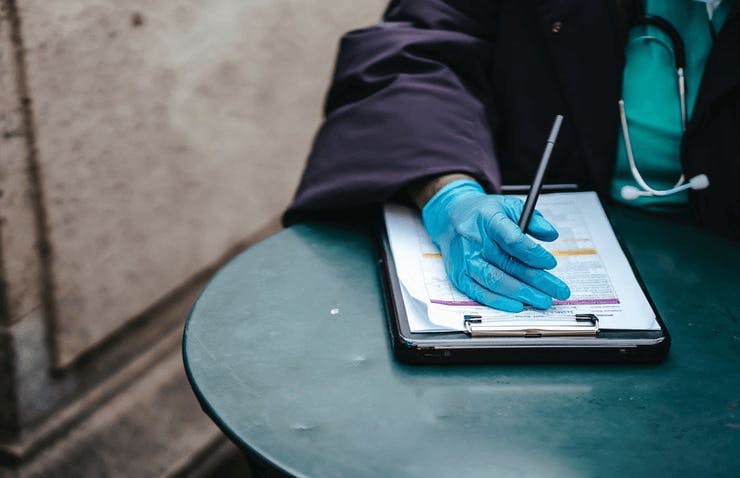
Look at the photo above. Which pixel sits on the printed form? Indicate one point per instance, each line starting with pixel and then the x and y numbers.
pixel 590 261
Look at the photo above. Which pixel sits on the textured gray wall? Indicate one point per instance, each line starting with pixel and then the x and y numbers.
pixel 141 142
pixel 18 255
pixel 166 132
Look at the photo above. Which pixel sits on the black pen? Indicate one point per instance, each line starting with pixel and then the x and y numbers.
pixel 534 191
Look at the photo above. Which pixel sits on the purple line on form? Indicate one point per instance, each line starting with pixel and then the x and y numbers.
pixel 454 302
pixel 585 301
pixel 469 303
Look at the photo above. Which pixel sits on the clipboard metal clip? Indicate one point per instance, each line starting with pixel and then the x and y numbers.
pixel 577 325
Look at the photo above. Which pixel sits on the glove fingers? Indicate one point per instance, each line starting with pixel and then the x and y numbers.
pixel 484 296
pixel 539 227
pixel 500 282
pixel 501 231
pixel 537 278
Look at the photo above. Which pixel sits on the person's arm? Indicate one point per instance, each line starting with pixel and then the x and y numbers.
pixel 408 112
pixel 409 101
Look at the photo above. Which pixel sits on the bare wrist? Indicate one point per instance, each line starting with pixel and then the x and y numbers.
pixel 423 191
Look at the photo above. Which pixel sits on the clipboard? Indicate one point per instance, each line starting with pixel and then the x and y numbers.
pixel 573 339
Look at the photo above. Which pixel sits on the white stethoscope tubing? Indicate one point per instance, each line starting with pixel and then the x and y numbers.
pixel 697 182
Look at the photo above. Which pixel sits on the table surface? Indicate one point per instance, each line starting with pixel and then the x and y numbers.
pixel 288 351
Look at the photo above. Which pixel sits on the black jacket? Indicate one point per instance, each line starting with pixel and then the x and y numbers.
pixel 473 85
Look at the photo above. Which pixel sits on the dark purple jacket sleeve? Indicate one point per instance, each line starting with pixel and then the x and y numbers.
pixel 410 99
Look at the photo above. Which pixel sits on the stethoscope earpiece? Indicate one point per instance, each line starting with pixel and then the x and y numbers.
pixel 700 181
pixel 630 192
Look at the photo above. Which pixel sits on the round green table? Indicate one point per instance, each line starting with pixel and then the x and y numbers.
pixel 288 351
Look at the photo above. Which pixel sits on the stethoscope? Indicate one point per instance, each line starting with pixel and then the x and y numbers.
pixel 699 181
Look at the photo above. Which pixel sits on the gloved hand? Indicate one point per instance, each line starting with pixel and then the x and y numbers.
pixel 486 255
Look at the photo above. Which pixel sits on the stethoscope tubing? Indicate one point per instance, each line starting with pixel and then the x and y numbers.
pixel 678 50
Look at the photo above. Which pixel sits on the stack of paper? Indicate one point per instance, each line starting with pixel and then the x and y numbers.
pixel 590 261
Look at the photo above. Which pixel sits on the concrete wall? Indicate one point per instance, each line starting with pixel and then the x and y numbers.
pixel 142 143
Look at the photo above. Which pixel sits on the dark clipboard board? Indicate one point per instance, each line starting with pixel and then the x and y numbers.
pixel 608 346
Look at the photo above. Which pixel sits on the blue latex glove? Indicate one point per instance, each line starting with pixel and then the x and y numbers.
pixel 486 255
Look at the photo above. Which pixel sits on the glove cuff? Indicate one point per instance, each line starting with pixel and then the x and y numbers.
pixel 433 213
